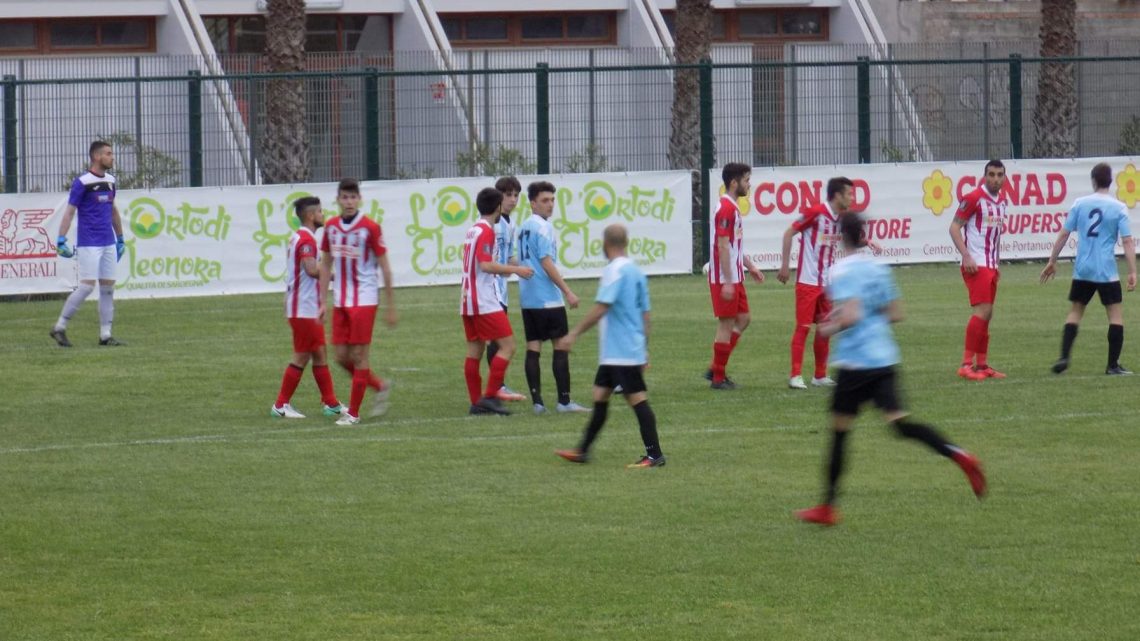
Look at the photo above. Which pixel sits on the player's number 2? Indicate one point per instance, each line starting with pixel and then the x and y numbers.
pixel 1096 216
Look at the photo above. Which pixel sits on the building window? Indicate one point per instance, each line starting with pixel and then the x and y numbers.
pixel 575 28
pixel 323 33
pixel 749 25
pixel 102 35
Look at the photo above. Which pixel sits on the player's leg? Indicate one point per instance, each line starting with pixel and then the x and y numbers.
pixel 985 311
pixel 743 316
pixel 302 339
pixel 821 346
pixel 341 327
pixel 89 259
pixel 531 364
pixel 471 366
pixel 976 324
pixel 1080 293
pixel 841 421
pixel 555 327
pixel 604 382
pixel 1112 296
pixel 358 338
pixel 637 396
pixel 330 406
pixel 722 349
pixel 806 303
pixel 498 371
pixel 107 261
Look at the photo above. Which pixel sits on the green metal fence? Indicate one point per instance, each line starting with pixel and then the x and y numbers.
pixel 179 122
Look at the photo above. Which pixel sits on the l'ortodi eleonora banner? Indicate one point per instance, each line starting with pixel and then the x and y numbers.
pixel 205 241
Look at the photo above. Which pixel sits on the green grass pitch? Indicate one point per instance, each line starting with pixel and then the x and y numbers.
pixel 145 493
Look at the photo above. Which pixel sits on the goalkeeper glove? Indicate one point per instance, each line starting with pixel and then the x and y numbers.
pixel 120 247
pixel 62 248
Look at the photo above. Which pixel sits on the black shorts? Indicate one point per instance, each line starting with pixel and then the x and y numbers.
pixel 544 324
pixel 853 387
pixel 1082 292
pixel 628 376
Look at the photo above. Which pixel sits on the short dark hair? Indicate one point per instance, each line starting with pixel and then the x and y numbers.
pixel 851 228
pixel 96 146
pixel 836 185
pixel 488 201
pixel 993 163
pixel 348 186
pixel 1102 175
pixel 539 186
pixel 508 184
pixel 734 171
pixel 301 205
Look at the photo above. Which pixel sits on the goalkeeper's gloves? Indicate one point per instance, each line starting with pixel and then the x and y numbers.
pixel 120 247
pixel 62 248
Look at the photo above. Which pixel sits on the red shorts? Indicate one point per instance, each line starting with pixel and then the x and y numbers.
pixel 982 285
pixel 487 327
pixel 812 304
pixel 308 335
pixel 729 308
pixel 353 325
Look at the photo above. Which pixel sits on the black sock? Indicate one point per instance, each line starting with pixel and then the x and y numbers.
pixel 492 349
pixel 1115 344
pixel 647 421
pixel 1067 338
pixel 835 465
pixel 561 368
pixel 597 419
pixel 926 434
pixel 533 377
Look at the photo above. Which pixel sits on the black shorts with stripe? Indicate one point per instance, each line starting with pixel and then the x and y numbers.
pixel 627 376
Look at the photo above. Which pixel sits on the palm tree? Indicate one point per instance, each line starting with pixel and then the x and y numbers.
pixel 692 35
pixel 1055 118
pixel 285 154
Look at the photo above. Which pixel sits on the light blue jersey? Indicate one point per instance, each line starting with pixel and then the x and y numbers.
pixel 504 249
pixel 621 338
pixel 869 343
pixel 537 241
pixel 1098 220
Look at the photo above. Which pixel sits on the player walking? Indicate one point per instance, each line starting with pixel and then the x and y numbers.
pixel 1099 219
pixel 505 254
pixel 353 248
pixel 976 232
pixel 99 242
pixel 303 310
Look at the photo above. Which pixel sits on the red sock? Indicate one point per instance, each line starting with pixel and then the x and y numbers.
pixel 734 339
pixel 721 352
pixel 474 381
pixel 289 383
pixel 325 384
pixel 356 397
pixel 983 342
pixel 821 346
pixel 799 341
pixel 496 376
pixel 975 330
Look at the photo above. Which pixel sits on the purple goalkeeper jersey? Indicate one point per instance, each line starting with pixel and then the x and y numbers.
pixel 93 196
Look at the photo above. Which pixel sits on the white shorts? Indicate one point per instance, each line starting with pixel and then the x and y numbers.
pixel 97 263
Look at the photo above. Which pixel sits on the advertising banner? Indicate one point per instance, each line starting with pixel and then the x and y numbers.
pixel 207 241
pixel 909 206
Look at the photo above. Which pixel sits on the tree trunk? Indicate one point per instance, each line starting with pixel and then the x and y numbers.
pixel 285 154
pixel 1055 118
pixel 692 36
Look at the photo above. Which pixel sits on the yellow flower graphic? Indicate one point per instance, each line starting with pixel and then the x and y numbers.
pixel 937 192
pixel 742 203
pixel 1128 186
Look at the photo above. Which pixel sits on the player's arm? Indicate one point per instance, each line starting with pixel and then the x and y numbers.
pixel 959 240
pixel 555 276
pixel 592 317
pixel 753 269
pixel 117 225
pixel 311 267
pixel 844 314
pixel 390 315
pixel 786 254
pixel 499 269
pixel 895 311
pixel 64 226
pixel 1051 266
pixel 324 281
pixel 1130 258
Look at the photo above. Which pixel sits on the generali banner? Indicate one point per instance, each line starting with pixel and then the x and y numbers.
pixel 910 206
pixel 206 241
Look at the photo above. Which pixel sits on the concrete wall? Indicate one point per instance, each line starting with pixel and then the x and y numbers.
pixel 981 21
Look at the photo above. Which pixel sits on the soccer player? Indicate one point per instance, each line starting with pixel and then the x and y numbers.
pixel 353 247
pixel 303 310
pixel 866 302
pixel 1098 220
pixel 505 254
pixel 541 298
pixel 99 242
pixel 622 308
pixel 818 228
pixel 483 317
pixel 976 232
pixel 726 273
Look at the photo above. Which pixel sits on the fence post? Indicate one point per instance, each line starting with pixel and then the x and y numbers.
pixel 194 91
pixel 1015 106
pixel 372 124
pixel 863 89
pixel 708 151
pixel 11 166
pixel 542 115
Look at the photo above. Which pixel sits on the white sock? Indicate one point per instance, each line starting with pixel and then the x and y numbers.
pixel 72 304
pixel 106 310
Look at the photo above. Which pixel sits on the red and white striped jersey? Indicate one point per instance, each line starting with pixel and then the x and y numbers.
pixel 727 224
pixel 479 289
pixel 982 217
pixel 301 300
pixel 819 241
pixel 355 246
